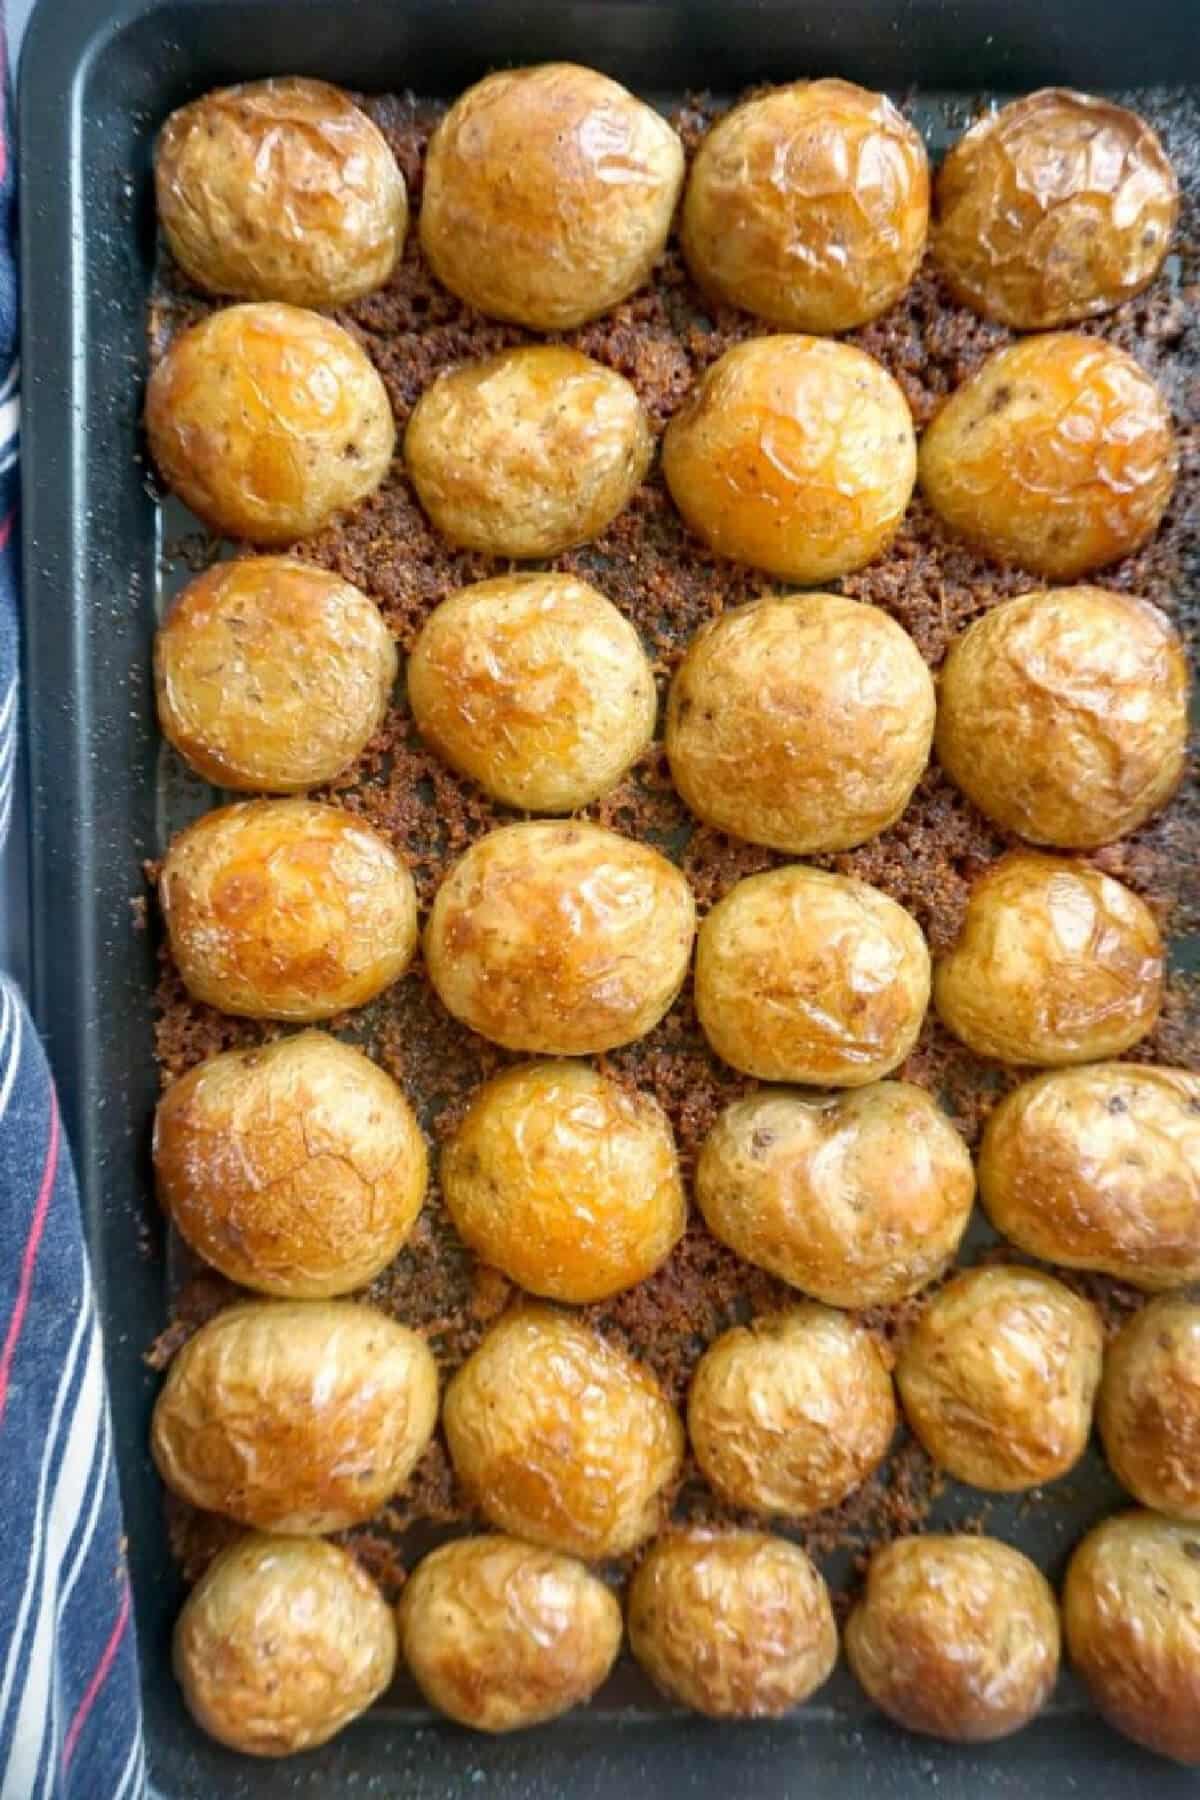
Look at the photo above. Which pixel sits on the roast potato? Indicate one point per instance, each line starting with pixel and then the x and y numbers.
pixel 1148 1407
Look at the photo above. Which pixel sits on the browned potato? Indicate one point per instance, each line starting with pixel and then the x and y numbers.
pixel 957 1637
pixel 802 722
pixel 266 420
pixel 300 1416
pixel 560 938
pixel 281 1643
pixel 858 1198
pixel 565 1181
pixel 795 455
pixel 1058 454
pixel 535 687
pixel 734 1624
pixel 792 1413
pixel 548 195
pixel 1063 715
pixel 296 1168
pixel 810 977
pixel 1148 1408
pixel 271 674
pixel 1055 208
pixel 808 205
pixel 560 1437
pixel 280 190
pixel 1131 1612
pixel 999 1375
pixel 1055 963
pixel 501 1634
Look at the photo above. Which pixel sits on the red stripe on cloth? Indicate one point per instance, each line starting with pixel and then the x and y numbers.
pixel 7 526
pixel 97 1682
pixel 37 1226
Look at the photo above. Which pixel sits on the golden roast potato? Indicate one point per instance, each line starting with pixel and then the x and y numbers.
pixel 810 977
pixel 791 1413
pixel 501 1634
pixel 566 1181
pixel 548 195
pixel 1148 1407
pixel 1055 963
pixel 266 420
pixel 795 455
pixel 957 1637
pixel 299 1416
pixel 1058 454
pixel 1064 715
pixel 560 1437
pixel 859 1198
pixel 999 1375
pixel 802 722
pixel 280 190
pixel 1055 208
pixel 536 687
pixel 562 939
pixel 286 909
pixel 281 1643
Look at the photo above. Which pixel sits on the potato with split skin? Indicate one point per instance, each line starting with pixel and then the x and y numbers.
pixel 1148 1408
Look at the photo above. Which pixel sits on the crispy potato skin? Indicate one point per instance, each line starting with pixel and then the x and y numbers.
pixel 271 674
pixel 859 1199
pixel 1054 209
pixel 792 1413
pixel 795 455
pixel 266 420
pixel 808 206
pixel 809 977
pixel 286 909
pixel 956 1637
pixel 999 1375
pixel 281 1643
pixel 737 1625
pixel 1056 963
pixel 500 1634
pixel 536 687
pixel 296 1416
pixel 1058 454
pixel 562 939
pixel 1063 715
pixel 1148 1408
pixel 548 195
pixel 296 1168
pixel 280 190
pixel 560 1437
pixel 1099 1168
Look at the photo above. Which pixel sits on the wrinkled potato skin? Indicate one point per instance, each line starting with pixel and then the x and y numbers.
pixel 808 206
pixel 1131 1613
pixel 536 687
pixel 795 455
pixel 1148 1407
pixel 998 1377
pixel 560 1437
pixel 792 1413
pixel 1054 209
pixel 280 190
pixel 809 977
pixel 548 195
pixel 1063 715
pixel 956 1637
pixel 286 909
pixel 271 674
pixel 859 1199
pixel 500 1635
pixel 1099 1168
pixel 565 1181
pixel 1058 454
pixel 297 1416
pixel 1056 963
pixel 562 939
pixel 281 1643
pixel 737 1625
pixel 267 420
pixel 295 1168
